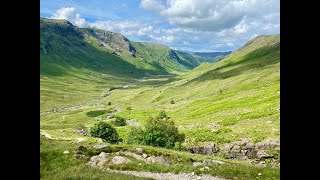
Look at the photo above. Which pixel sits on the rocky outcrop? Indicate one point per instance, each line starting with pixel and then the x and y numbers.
pixel 117 42
pixel 101 146
pixel 159 160
pixel 120 160
pixel 243 149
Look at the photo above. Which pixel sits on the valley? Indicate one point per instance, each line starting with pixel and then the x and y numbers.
pixel 220 104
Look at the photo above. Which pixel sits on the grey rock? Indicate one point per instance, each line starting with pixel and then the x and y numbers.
pixel 101 146
pixel 263 155
pixel 144 155
pixel 134 155
pixel 103 155
pixel 140 150
pixel 102 162
pixel 120 160
pixel 159 160
pixel 197 164
pixel 80 156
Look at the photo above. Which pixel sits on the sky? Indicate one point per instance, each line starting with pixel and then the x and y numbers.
pixel 188 25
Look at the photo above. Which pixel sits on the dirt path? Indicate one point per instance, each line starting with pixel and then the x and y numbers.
pixel 169 176
pixel 49 136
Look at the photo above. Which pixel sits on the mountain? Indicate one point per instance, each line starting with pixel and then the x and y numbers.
pixel 71 58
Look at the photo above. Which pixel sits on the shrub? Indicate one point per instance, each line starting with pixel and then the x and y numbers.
pixel 162 115
pixel 179 147
pixel 159 131
pixel 135 136
pixel 172 102
pixel 105 131
pixel 119 121
pixel 129 108
pixel 162 133
pixel 96 113
pixel 109 103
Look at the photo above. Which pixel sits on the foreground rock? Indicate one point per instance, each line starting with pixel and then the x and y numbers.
pixel 99 160
pixel 159 160
pixel 101 146
pixel 243 149
pixel 120 160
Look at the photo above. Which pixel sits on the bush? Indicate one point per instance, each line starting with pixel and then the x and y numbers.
pixel 109 103
pixel 96 113
pixel 105 131
pixel 158 132
pixel 129 108
pixel 162 115
pixel 179 147
pixel 172 102
pixel 135 136
pixel 119 121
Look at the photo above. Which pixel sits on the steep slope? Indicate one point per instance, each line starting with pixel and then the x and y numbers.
pixel 78 64
pixel 74 69
pixel 161 57
pixel 189 59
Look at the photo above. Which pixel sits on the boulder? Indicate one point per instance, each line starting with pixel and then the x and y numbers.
pixel 140 150
pixel 263 155
pixel 134 155
pixel 144 155
pixel 250 146
pixel 159 160
pixel 101 146
pixel 102 162
pixel 66 152
pixel 120 160
pixel 103 155
pixel 209 149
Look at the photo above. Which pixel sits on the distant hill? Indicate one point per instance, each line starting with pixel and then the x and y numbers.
pixel 210 56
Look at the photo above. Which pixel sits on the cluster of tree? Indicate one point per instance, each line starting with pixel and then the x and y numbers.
pixel 159 131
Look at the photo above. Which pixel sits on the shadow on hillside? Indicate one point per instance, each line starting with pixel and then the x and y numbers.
pixel 256 59
pixel 71 53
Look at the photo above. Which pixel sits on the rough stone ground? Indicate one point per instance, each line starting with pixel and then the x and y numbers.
pixel 169 176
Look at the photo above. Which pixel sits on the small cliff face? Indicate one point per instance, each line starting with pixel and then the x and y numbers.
pixel 115 41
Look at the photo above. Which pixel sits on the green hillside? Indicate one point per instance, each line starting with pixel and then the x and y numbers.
pixel 238 96
pixel 75 68
pixel 89 75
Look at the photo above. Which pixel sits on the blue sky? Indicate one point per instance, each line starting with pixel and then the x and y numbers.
pixel 191 25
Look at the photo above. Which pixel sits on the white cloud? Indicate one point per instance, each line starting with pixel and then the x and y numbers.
pixel 211 15
pixel 151 5
pixel 69 13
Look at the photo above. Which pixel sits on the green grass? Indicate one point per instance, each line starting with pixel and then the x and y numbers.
pixel 56 165
pixel 237 97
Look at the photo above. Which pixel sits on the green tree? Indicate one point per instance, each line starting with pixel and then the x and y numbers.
pixel 135 136
pixel 120 121
pixel 105 131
